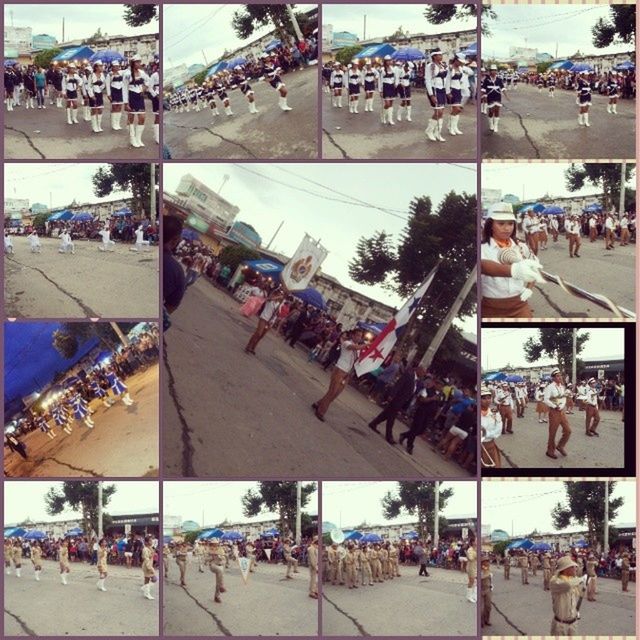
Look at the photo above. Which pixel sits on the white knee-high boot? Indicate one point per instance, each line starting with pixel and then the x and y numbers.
pixel 69 116
pixel 139 131
pixel 156 133
pixel 409 113
pixel 430 131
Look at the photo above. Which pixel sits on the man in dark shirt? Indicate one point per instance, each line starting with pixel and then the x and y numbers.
pixel 173 279
pixel 427 404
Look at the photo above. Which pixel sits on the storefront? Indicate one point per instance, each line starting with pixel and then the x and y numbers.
pixel 137 523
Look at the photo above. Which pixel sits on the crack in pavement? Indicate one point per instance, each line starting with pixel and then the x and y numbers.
pixel 213 133
pixel 22 623
pixel 526 134
pixel 187 447
pixel 217 620
pixel 511 624
pixel 88 310
pixel 91 472
pixel 336 145
pixel 508 459
pixel 33 146
pixel 361 629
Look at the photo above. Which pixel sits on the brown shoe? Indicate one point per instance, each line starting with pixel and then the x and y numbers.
pixel 223 590
pixel 562 452
pixel 551 455
pixel 217 599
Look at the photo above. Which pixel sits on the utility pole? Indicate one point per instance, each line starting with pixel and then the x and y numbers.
pixel 294 22
pixel 62 29
pixel 298 512
pixel 606 517
pixel 573 356
pixel 206 64
pixel 99 510
pixel 436 519
pixel 274 235
pixel 623 169
pixel 152 204
pixel 364 30
pixel 225 179
pixel 123 338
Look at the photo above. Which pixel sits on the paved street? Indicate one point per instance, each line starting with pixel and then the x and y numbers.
pixel 124 441
pixel 223 408
pixel 362 135
pixel 268 605
pixel 526 447
pixel 411 605
pixel 49 608
pixel 533 125
pixel 38 134
pixel 526 610
pixel 271 133
pixel 89 283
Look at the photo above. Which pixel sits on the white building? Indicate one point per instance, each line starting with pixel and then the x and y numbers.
pixel 15 205
pixel 175 76
pixel 145 45
pixel 18 39
pixel 523 53
pixel 205 202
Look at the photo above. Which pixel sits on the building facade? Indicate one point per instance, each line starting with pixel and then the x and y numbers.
pixel 205 202
pixel 43 42
pixel 458 526
pixel 18 40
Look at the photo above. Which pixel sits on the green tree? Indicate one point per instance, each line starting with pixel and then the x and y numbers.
pixel 500 546
pixel 584 505
pixel 79 496
pixel 71 335
pixel 98 35
pixel 137 15
pixel 233 255
pixel 618 28
pixel 542 67
pixel 252 17
pixel 190 536
pixel 43 58
pixel 200 77
pixel 38 221
pixel 557 344
pixel 345 55
pixel 417 499
pixel 443 13
pixel 605 176
pixel 277 497
pixel 133 177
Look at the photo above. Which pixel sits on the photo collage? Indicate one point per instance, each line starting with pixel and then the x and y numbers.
pixel 325 390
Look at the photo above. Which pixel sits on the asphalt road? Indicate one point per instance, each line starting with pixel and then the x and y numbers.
pixel 527 446
pixel 271 133
pixel 411 605
pixel 362 135
pixel 526 610
pixel 268 605
pixel 39 134
pixel 123 443
pixel 49 608
pixel 88 284
pixel 224 409
pixel 533 125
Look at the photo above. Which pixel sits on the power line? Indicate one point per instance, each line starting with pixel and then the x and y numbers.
pixel 192 31
pixel 545 24
pixel 571 13
pixel 44 173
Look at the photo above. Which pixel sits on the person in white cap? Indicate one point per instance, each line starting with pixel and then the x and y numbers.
pixel 220 88
pixel 404 91
pixel 336 83
pixel 624 230
pixel 107 243
pixel 493 88
pixel 114 93
pixel 354 78
pixel 504 400
pixel 555 397
pixel 572 227
pixel 34 242
pixel 387 85
pixel 583 100
pixel 613 91
pixel 85 73
pixel 567 592
pixel 541 408
pixel 71 84
pixel 592 412
pixel 490 429
pixel 96 87
pixel 554 227
pixel 453 87
pixel 66 243
pixel 531 228
pixel 509 269
pixel 239 78
pixel 370 79
pixel 435 76
pixel 483 93
pixel 141 243
pixel 609 232
pixel 136 81
pixel 272 73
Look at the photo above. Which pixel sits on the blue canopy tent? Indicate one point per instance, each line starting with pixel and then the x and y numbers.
pixel 107 56
pixel 238 61
pixel 75 531
pixel 627 65
pixel 83 216
pixel 541 546
pixel 553 210
pixel 371 538
pixel 561 65
pixel 120 213
pixel 270 533
pixel 353 535
pixel 10 63
pixel 190 234
pixel 498 376
pixel 103 355
pixel 375 51
pixel 265 267
pixel 35 535
pixel 312 297
pixel 14 532
pixel 210 533
pixel 594 207
pixel 232 536
pixel 407 54
pixel 471 51
pixel 580 66
pixel 514 378
pixel 218 66
pixel 60 215
pixel 274 44
pixel 410 535
pixel 75 53
pixel 581 544
pixel 525 544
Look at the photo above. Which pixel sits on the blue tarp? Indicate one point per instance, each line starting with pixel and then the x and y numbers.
pixel 627 65
pixel 495 377
pixel 371 538
pixel 274 44
pixel 408 54
pixel 410 535
pixel 238 61
pixel 266 267
pixel 14 532
pixel 353 535
pixel 218 66
pixel 541 546
pixel 553 210
pixel 376 51
pixel 594 207
pixel 580 66
pixel 83 216
pixel 514 378
pixel 60 215
pixel 312 297
pixel 560 64
pixel 232 536
pixel 75 53
pixel 106 56
pixel 521 544
pixel 35 535
pixel 210 533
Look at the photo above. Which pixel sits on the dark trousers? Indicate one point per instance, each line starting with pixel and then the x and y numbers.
pixel 423 570
pixel 389 413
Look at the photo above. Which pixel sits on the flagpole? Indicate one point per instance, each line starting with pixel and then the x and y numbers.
pixel 432 349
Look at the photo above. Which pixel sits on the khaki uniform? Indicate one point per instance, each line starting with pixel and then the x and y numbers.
pixel 63 555
pixel 102 560
pixel 535 563
pixel 472 564
pixel 165 560
pixel 292 563
pixel 350 568
pixel 181 561
pixel 335 565
pixel 147 562
pixel 376 565
pixel 36 558
pixel 624 568
pixel 523 563
pixel 199 552
pixel 546 572
pixel 591 579
pixel 16 555
pixel 251 555
pixel 312 554
pixel 485 597
pixel 217 560
pixel 506 563
pixel 565 593
pixel 7 555
pixel 365 564
pixel 383 554
pixel 394 563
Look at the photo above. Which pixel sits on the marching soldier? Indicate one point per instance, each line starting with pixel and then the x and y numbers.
pixel 36 560
pixel 592 413
pixel 199 553
pixel 251 554
pixel 506 563
pixel 7 556
pixel 217 559
pixel 592 563
pixel 148 572
pixel 101 565
pixel 566 594
pixel 365 565
pixel 394 556
pixel 555 398
pixel 625 567
pixel 334 563
pixel 165 559
pixel 383 554
pixel 523 563
pixel 376 565
pixel 312 553
pixel 63 557
pixel 292 563
pixel 350 566
pixel 16 556
pixel 181 561
pixel 472 573
pixel 535 563
pixel 505 404
pixel 486 587
pixel 546 571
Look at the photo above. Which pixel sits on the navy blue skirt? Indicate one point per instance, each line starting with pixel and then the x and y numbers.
pixel 388 91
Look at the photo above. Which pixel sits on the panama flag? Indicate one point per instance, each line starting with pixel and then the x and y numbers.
pixel 375 354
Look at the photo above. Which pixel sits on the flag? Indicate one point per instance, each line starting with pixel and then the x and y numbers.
pixel 268 554
pixel 303 265
pixel 376 353
pixel 244 564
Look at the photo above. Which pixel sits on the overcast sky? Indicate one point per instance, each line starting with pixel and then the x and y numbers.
pixel 54 183
pixel 265 204
pixel 505 346
pixel 190 29
pixel 520 507
pixel 545 27
pixel 214 502
pixel 533 180
pixel 24 500
pixel 348 504
pixel 80 21
pixel 384 19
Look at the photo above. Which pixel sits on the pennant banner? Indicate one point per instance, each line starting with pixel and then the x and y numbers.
pixel 304 264
pixel 268 553
pixel 376 353
pixel 244 563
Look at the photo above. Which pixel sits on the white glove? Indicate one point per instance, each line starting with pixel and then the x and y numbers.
pixel 527 271
pixel 526 294
pixel 584 579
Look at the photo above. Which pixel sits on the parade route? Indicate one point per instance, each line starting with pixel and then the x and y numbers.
pixel 124 441
pixel 90 283
pixel 526 447
pixel 271 133
pixel 592 271
pixel 39 134
pixel 362 135
pixel 268 605
pixel 224 408
pixel 78 609
pixel 526 610
pixel 411 605
pixel 533 125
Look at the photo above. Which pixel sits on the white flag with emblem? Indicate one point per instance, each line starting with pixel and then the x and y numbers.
pixel 303 265
pixel 268 553
pixel 244 563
